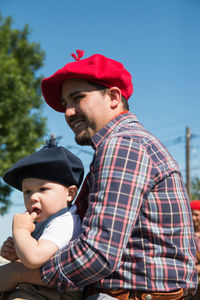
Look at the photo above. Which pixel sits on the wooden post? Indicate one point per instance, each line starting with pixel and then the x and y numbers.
pixel 188 136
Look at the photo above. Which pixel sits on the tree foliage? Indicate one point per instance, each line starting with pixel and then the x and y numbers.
pixel 195 185
pixel 22 125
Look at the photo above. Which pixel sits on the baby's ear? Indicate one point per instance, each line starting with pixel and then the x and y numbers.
pixel 71 192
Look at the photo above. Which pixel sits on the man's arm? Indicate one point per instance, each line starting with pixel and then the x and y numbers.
pixel 31 252
pixel 13 273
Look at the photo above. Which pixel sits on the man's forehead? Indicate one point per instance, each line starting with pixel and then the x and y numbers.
pixel 74 86
pixel 196 212
pixel 74 82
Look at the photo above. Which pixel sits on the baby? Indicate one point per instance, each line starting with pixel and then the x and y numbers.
pixel 49 180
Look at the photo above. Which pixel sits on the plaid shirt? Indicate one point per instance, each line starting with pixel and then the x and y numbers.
pixel 137 230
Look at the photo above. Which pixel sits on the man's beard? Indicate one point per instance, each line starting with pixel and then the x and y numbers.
pixel 83 138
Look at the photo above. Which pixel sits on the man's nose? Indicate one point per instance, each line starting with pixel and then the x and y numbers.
pixel 69 112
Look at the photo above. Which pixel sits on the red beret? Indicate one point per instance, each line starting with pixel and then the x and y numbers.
pixel 96 68
pixel 195 204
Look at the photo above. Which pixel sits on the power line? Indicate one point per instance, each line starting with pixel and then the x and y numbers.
pixel 176 122
pixel 179 132
pixel 178 140
pixel 79 150
pixel 175 141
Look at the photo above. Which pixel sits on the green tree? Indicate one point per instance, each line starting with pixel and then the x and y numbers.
pixel 22 126
pixel 195 187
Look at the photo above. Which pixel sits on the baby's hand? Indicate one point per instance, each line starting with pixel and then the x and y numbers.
pixel 8 250
pixel 24 221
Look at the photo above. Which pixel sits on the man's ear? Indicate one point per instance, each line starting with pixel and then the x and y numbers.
pixel 71 193
pixel 115 97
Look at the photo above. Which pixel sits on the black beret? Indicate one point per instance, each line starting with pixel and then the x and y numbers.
pixel 53 163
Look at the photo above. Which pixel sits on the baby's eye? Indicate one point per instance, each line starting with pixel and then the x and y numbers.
pixel 43 189
pixel 26 192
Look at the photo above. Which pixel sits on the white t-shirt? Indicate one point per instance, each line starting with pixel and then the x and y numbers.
pixel 63 229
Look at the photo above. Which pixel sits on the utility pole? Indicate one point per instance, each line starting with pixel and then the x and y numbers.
pixel 188 136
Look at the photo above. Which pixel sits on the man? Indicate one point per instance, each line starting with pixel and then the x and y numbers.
pixel 138 238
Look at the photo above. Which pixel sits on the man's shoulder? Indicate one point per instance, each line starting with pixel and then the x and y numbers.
pixel 133 132
pixel 134 135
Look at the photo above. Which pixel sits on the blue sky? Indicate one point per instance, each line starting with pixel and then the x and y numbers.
pixel 158 41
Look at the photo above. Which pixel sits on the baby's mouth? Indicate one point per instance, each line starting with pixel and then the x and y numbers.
pixel 36 210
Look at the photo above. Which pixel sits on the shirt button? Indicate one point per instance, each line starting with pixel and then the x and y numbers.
pixel 148 297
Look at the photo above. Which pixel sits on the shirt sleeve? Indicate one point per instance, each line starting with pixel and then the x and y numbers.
pixel 62 229
pixel 120 175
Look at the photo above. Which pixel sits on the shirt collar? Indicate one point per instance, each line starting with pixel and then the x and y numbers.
pixel 122 118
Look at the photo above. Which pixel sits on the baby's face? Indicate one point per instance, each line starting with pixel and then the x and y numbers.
pixel 44 197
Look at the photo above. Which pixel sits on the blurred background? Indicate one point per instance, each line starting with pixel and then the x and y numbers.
pixel 157 41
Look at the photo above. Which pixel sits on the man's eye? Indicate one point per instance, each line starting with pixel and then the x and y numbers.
pixel 63 103
pixel 78 97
